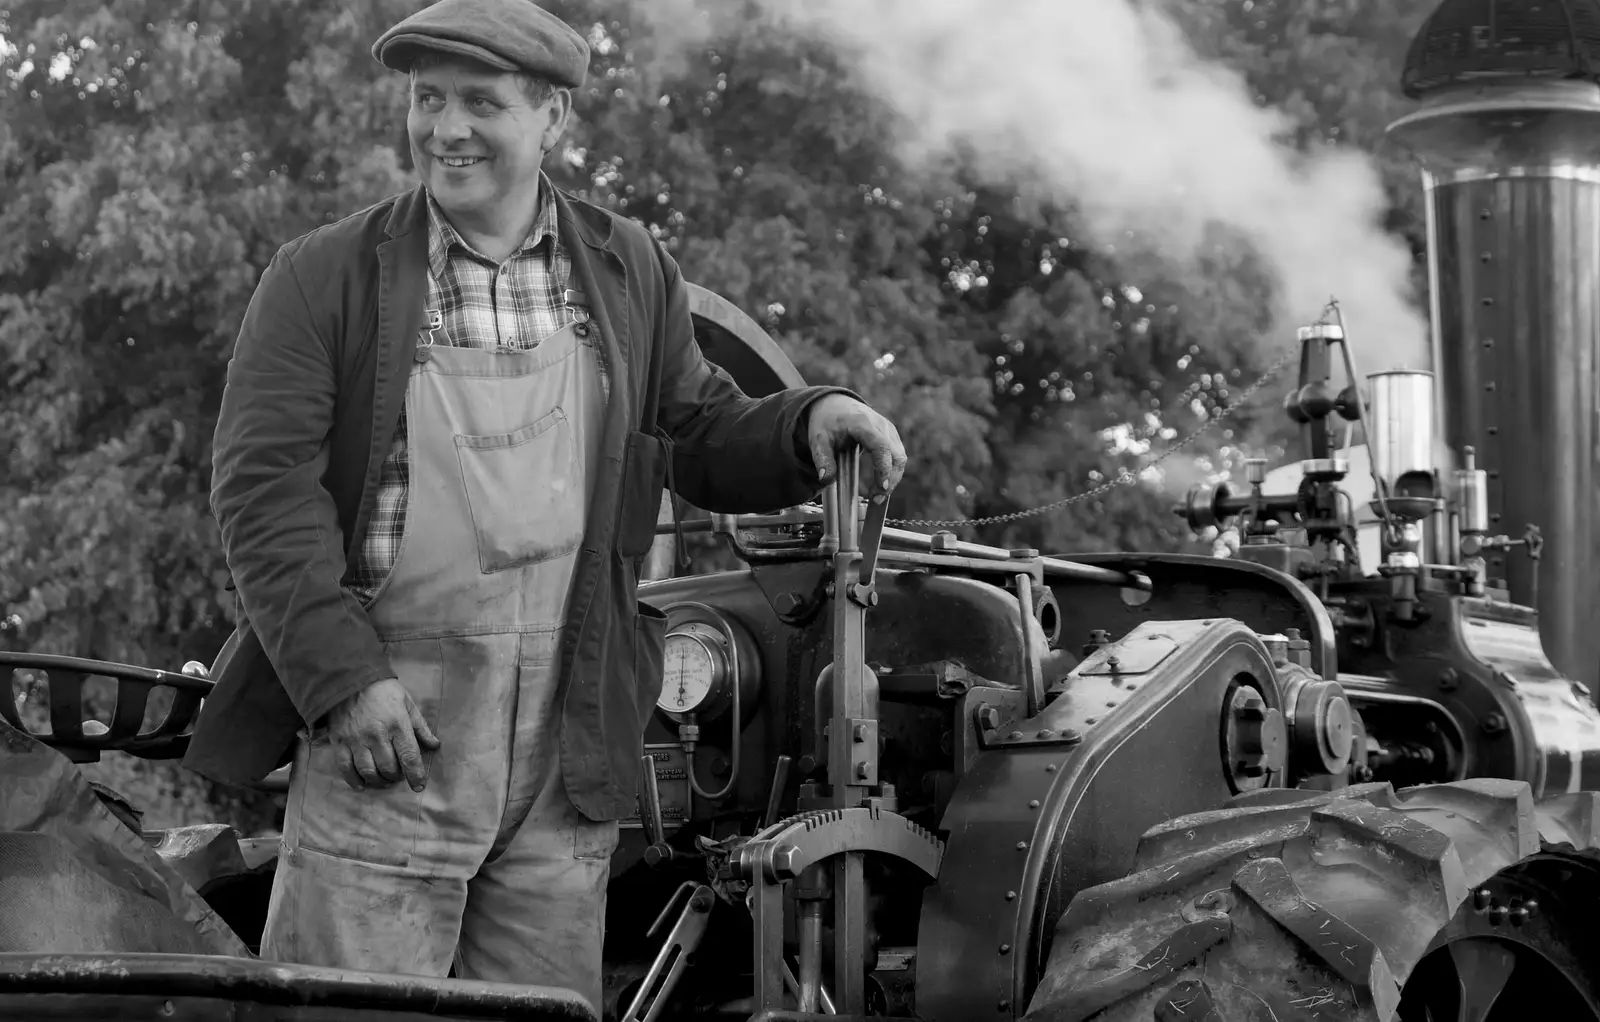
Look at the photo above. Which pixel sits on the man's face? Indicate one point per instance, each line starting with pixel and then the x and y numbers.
pixel 477 140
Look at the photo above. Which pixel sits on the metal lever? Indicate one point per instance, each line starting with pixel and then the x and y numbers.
pixel 673 958
pixel 650 815
pixel 780 782
pixel 871 540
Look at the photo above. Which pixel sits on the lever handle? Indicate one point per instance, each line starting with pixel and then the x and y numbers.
pixel 650 815
pixel 780 782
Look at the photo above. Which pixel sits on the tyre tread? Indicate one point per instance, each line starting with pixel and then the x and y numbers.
pixel 1294 904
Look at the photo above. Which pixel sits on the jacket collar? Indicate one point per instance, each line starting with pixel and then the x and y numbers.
pixel 410 213
pixel 587 224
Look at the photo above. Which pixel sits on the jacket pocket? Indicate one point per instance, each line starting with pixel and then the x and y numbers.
pixel 525 493
pixel 649 645
pixel 644 476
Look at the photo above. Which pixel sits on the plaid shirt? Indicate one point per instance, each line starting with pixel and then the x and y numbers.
pixel 481 304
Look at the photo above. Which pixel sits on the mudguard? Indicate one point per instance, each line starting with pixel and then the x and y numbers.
pixel 1040 816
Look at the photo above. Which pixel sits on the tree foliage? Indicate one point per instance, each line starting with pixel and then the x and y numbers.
pixel 155 153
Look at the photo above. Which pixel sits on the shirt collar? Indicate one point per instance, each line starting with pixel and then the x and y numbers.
pixel 443 236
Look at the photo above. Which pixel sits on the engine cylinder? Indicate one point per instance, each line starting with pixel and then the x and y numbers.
pixel 1472 497
pixel 1400 431
pixel 1511 169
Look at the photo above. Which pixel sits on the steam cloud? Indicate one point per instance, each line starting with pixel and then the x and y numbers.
pixel 1105 104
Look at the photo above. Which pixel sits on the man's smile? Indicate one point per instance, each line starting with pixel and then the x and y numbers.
pixel 460 161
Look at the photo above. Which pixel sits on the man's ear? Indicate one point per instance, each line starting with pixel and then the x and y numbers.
pixel 560 110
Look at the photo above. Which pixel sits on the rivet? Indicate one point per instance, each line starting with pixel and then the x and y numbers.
pixel 1045 732
pixel 1015 736
pixel 1489 386
pixel 1111 704
pixel 1033 803
pixel 1090 720
pixel 1482 898
pixel 1487 301
pixel 1049 768
pixel 1005 949
pixel 1022 846
pixel 1497 915
pixel 1494 430
pixel 1011 895
pixel 1003 1005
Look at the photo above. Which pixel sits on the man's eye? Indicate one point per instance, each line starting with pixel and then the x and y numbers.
pixel 429 101
pixel 482 106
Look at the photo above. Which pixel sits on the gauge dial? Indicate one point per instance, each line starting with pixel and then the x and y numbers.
pixel 689 673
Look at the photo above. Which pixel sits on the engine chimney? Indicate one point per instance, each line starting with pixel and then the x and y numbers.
pixel 1508 140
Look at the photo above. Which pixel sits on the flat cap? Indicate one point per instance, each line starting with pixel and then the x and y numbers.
pixel 508 35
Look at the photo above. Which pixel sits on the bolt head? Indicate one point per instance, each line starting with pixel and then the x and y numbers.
pixel 988 718
pixel 783 862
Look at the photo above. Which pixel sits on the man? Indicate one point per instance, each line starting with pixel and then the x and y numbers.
pixel 447 425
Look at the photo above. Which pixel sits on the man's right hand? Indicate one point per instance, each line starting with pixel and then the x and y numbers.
pixel 377 732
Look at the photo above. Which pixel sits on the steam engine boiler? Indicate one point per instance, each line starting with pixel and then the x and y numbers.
pixel 1484 486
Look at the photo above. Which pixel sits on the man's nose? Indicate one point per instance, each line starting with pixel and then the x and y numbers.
pixel 451 125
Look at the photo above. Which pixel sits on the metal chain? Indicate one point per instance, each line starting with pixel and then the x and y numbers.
pixel 1126 476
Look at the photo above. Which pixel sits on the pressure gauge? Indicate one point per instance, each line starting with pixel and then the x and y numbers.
pixel 695 676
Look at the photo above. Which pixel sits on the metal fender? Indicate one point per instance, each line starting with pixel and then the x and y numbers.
pixel 1057 803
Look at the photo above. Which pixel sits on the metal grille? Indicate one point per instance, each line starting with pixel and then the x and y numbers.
pixel 1469 41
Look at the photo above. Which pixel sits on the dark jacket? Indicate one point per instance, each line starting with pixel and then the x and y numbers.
pixel 314 391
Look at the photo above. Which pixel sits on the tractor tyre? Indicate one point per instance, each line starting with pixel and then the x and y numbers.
pixel 1462 901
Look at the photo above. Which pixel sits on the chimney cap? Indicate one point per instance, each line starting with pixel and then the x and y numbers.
pixel 1478 42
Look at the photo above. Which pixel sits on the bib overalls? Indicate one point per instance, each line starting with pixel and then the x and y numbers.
pixel 490 867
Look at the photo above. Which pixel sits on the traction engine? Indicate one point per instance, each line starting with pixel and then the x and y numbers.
pixel 894 774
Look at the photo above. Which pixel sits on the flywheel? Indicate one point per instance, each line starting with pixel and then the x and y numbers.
pixel 1463 902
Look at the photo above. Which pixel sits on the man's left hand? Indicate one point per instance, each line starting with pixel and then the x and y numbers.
pixel 835 420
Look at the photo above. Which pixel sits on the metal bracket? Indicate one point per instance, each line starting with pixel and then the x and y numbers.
pixel 998 716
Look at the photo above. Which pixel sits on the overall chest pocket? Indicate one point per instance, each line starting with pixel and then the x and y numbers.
pixel 525 492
